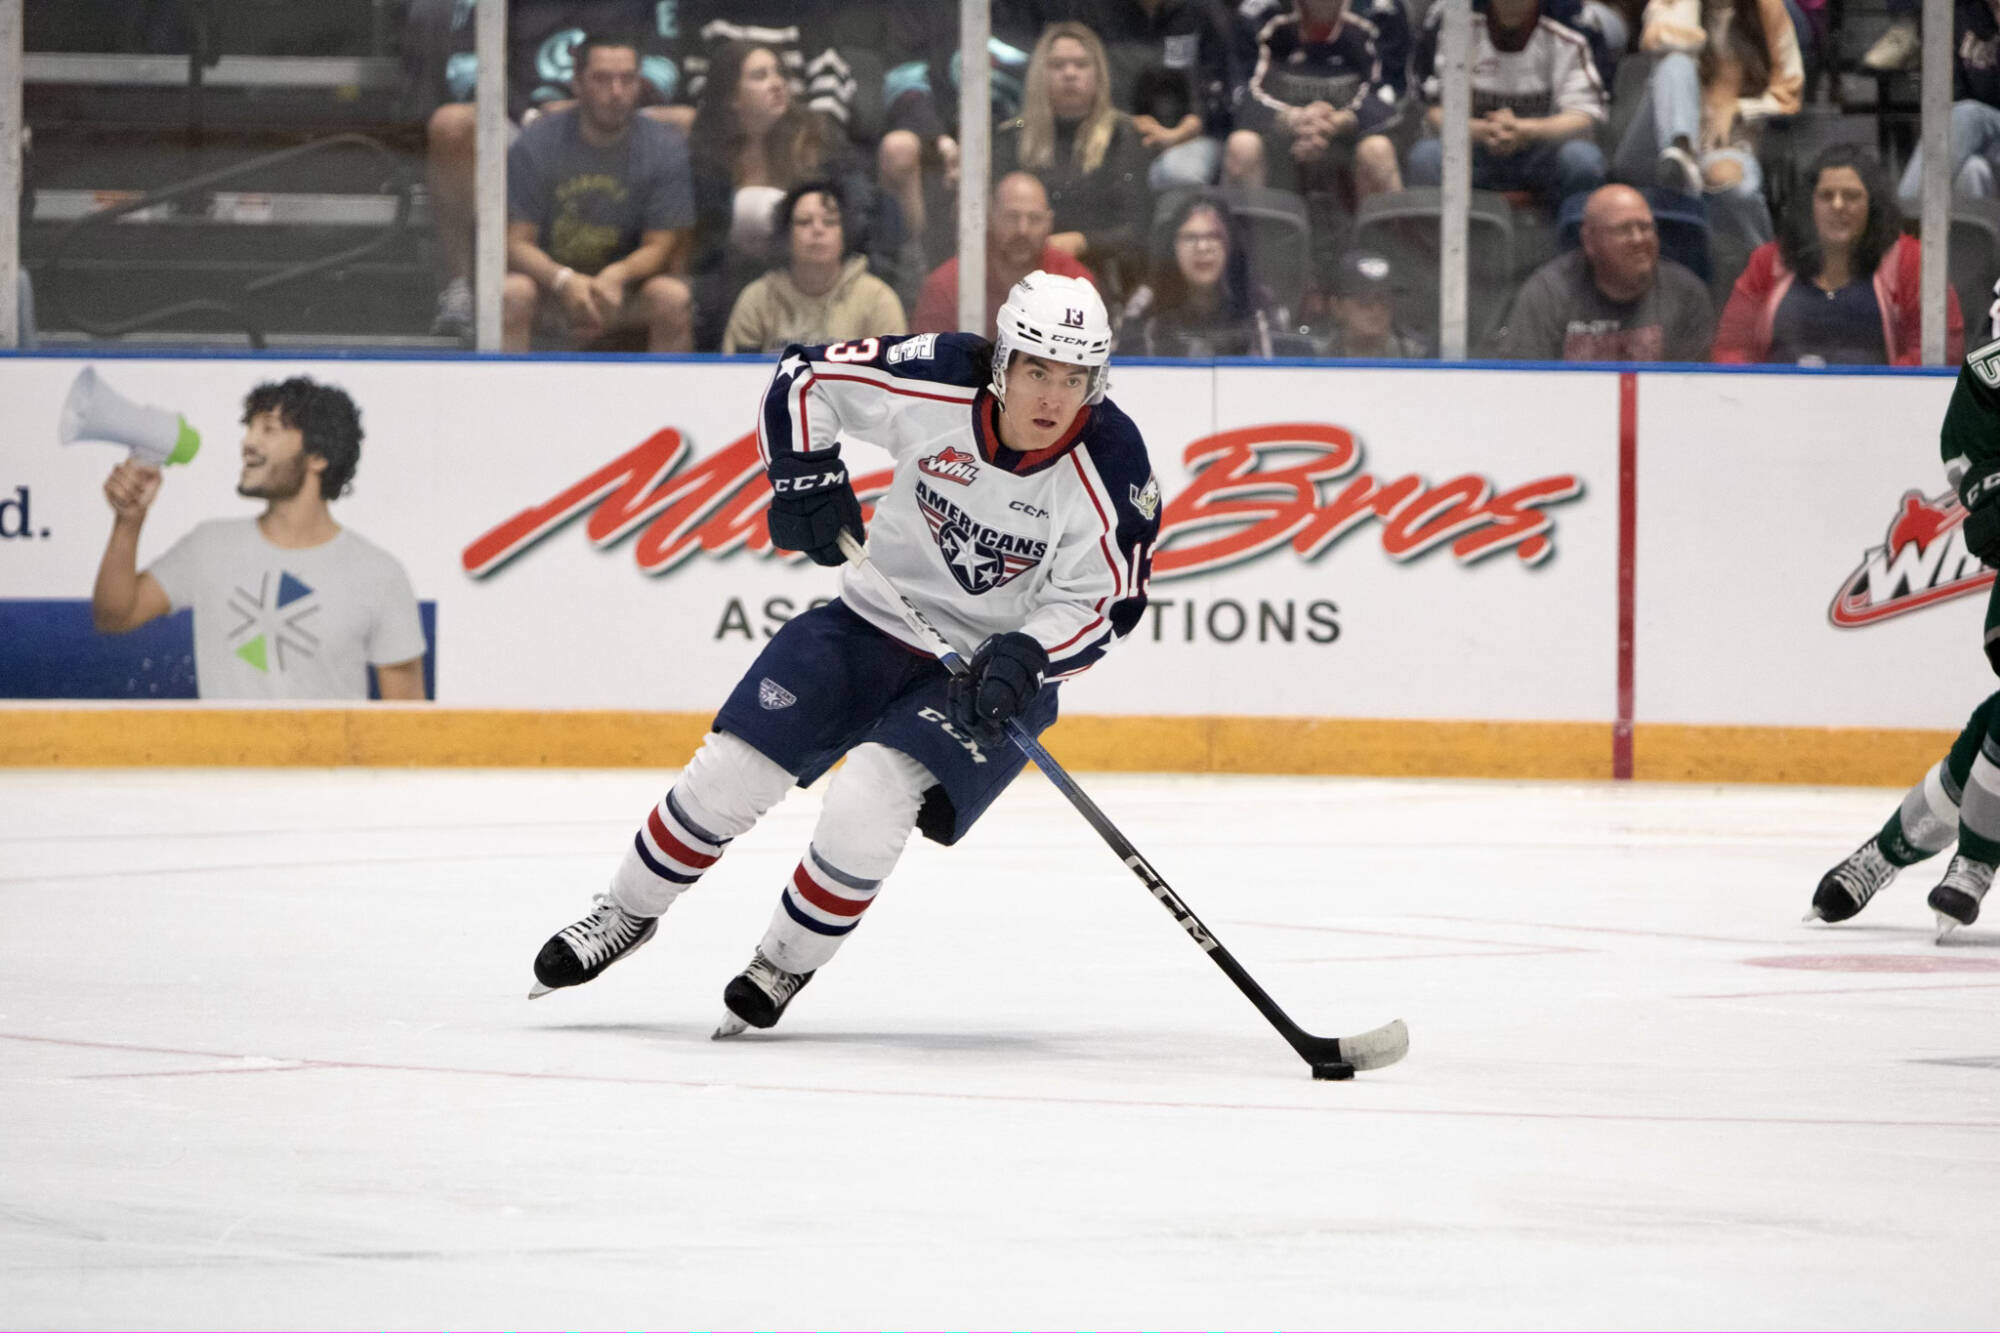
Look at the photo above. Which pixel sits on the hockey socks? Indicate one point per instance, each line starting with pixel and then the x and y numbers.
pixel 1927 821
pixel 817 911
pixel 871 807
pixel 726 788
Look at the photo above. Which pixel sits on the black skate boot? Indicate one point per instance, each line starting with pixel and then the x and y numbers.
pixel 577 953
pixel 1846 889
pixel 757 996
pixel 1956 898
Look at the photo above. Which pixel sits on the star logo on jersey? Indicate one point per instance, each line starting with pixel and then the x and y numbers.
pixel 951 465
pixel 772 696
pixel 271 629
pixel 791 366
pixel 981 558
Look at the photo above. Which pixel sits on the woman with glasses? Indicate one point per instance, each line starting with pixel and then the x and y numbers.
pixel 1201 300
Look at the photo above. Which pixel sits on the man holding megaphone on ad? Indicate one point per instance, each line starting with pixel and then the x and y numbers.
pixel 288 605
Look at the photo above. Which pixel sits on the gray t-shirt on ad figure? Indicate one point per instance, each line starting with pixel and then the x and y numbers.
pixel 271 623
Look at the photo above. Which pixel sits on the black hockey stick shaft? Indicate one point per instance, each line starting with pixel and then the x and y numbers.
pixel 1369 1050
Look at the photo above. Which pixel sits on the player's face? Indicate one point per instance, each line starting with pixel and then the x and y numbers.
pixel 816 234
pixel 762 95
pixel 1201 248
pixel 1072 79
pixel 275 462
pixel 608 87
pixel 1840 207
pixel 1043 398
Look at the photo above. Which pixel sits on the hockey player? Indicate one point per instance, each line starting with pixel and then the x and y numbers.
pixel 1021 518
pixel 1959 799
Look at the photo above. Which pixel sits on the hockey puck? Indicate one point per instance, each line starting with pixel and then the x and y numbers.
pixel 1337 1069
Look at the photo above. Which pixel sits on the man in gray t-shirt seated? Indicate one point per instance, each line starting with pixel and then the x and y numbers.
pixel 288 605
pixel 1614 299
pixel 600 212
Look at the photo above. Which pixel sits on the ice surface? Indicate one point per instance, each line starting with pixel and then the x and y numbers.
pixel 266 1061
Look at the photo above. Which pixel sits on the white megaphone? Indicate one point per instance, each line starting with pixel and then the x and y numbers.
pixel 94 411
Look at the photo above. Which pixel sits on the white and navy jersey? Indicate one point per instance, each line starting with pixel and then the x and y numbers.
pixel 1057 544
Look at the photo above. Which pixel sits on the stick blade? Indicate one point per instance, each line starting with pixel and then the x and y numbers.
pixel 1377 1049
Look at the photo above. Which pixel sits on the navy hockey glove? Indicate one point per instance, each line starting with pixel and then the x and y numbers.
pixel 1005 677
pixel 811 502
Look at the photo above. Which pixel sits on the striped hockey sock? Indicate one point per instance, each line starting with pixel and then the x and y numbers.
pixel 817 911
pixel 668 855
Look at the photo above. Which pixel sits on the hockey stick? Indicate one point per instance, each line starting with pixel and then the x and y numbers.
pixel 1330 1057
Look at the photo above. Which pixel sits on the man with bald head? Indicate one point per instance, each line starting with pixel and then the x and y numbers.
pixel 1018 224
pixel 1614 299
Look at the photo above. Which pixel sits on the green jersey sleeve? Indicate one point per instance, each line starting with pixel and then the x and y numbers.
pixel 1970 437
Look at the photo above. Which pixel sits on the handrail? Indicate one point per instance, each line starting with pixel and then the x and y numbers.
pixel 235 309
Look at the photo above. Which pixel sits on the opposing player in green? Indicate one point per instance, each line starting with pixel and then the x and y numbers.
pixel 1959 799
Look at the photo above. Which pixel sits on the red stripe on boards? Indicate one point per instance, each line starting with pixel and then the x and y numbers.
pixel 1628 523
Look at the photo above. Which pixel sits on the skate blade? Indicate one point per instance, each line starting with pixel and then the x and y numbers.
pixel 1812 914
pixel 539 991
pixel 1946 925
pixel 730 1026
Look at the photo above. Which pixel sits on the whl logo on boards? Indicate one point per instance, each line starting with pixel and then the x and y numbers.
pixel 1921 562
pixel 1255 489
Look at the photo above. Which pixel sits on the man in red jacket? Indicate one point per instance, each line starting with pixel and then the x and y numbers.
pixel 1018 224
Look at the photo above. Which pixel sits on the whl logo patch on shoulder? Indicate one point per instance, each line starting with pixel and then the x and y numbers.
pixel 1922 561
pixel 774 696
pixel 950 464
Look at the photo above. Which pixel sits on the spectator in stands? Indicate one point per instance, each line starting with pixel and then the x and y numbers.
pixel 1389 18
pixel 1721 68
pixel 753 141
pixel 820 291
pixel 440 74
pixel 1173 68
pixel 1018 225
pixel 1317 108
pixel 599 207
pixel 1088 155
pixel 1614 299
pixel 1975 109
pixel 1536 101
pixel 1201 300
pixel 1839 285
pixel 1363 307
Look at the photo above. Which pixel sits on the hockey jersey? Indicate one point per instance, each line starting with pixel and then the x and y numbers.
pixel 1057 544
pixel 1970 437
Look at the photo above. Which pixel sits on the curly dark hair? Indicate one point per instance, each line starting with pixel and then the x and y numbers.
pixel 324 415
pixel 1798 237
pixel 853 225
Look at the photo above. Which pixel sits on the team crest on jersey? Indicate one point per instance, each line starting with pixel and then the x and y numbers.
pixel 1146 499
pixel 952 465
pixel 774 696
pixel 979 557
pixel 920 348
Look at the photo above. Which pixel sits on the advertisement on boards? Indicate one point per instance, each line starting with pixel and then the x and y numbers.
pixel 590 535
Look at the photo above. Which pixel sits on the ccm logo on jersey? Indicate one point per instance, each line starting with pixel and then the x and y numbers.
pixel 1023 507
pixel 952 465
pixel 832 477
pixel 971 746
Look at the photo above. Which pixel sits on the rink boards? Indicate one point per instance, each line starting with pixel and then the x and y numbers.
pixel 1519 572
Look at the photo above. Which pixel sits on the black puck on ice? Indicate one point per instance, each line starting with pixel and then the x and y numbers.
pixel 1334 1069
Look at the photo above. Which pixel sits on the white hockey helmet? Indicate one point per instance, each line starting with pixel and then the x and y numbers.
pixel 1059 319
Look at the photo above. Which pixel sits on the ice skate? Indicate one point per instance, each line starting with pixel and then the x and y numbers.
pixel 757 996
pixel 577 953
pixel 1846 889
pixel 1956 898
